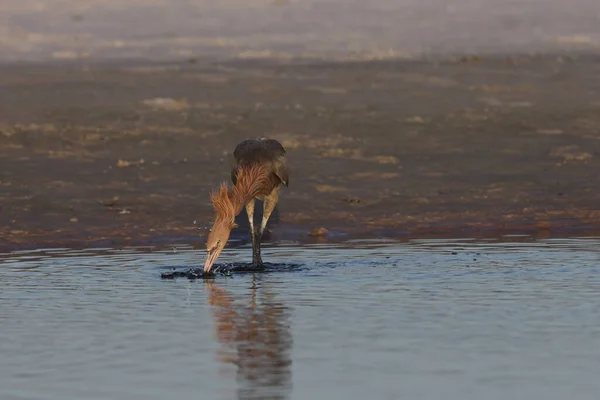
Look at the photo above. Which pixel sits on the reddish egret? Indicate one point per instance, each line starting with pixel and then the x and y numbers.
pixel 258 171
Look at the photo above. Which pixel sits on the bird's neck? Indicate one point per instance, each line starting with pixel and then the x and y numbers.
pixel 251 182
pixel 238 201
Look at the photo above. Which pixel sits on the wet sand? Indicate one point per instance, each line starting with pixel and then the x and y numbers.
pixel 127 153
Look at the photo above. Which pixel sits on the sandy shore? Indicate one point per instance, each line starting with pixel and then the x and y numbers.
pixel 108 154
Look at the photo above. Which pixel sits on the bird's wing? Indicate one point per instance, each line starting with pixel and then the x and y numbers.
pixel 273 147
pixel 276 150
pixel 242 154
pixel 253 150
pixel 282 171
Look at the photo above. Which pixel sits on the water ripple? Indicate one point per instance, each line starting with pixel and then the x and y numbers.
pixel 464 319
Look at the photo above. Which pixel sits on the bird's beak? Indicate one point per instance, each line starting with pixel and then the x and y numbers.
pixel 210 259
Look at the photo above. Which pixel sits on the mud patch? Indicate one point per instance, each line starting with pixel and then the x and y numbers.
pixel 424 159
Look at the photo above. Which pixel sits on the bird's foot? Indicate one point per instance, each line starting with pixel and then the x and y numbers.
pixel 258 264
pixel 249 268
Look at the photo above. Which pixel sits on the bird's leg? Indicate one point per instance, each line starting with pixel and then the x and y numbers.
pixel 268 206
pixel 256 260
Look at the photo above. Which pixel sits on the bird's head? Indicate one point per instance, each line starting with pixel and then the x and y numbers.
pixel 217 238
pixel 224 223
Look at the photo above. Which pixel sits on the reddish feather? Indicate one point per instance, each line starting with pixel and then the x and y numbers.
pixel 252 181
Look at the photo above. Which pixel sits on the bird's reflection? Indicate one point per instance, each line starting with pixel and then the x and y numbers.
pixel 255 339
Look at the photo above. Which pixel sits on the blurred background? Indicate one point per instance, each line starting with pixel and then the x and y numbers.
pixel 169 30
pixel 117 118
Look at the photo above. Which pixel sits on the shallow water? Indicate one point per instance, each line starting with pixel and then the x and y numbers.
pixel 425 319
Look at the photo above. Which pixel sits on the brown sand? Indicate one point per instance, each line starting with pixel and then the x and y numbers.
pixel 111 154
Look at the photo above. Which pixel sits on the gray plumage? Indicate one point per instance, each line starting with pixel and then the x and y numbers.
pixel 268 152
pixel 262 151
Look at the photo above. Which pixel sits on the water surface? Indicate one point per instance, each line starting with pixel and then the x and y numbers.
pixel 425 319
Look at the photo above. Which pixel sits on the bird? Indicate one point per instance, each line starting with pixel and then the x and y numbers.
pixel 258 171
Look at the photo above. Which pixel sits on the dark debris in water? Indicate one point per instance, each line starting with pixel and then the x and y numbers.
pixel 194 273
pixel 229 270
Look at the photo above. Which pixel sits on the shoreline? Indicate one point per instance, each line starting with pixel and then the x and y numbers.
pixel 406 147
pixel 175 239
